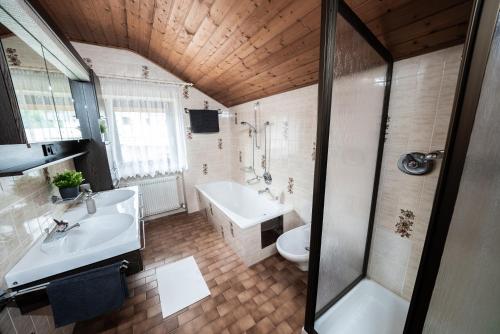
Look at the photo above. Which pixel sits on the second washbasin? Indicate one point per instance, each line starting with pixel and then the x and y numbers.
pixel 108 198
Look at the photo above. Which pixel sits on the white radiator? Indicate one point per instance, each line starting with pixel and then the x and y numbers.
pixel 160 194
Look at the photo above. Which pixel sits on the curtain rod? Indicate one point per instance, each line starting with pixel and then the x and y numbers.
pixel 145 80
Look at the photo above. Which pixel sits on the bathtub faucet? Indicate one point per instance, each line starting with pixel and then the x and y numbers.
pixel 267 190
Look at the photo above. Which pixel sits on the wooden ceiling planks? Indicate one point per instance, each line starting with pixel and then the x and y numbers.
pixel 408 27
pixel 241 50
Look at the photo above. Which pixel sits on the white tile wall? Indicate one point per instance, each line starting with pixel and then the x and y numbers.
pixel 25 211
pixel 293 115
pixel 202 148
pixel 420 107
pixel 292 138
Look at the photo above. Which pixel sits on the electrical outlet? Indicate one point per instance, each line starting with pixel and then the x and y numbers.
pixel 48 149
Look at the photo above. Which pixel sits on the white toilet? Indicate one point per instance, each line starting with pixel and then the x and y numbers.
pixel 293 245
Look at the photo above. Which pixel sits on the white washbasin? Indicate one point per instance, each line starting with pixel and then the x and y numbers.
pixel 112 231
pixel 108 198
pixel 96 231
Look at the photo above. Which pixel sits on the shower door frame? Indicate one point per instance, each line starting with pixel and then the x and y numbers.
pixel 329 11
pixel 475 56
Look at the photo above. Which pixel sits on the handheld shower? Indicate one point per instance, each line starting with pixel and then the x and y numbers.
pixel 254 145
pixel 250 125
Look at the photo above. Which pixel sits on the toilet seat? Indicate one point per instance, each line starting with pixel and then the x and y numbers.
pixel 293 245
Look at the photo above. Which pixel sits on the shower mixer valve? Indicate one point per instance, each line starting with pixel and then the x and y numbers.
pixel 417 163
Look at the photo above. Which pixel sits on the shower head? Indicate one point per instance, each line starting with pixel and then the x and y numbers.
pixel 250 125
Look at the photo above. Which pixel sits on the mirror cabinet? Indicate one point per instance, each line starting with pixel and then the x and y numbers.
pixel 42 91
pixel 49 107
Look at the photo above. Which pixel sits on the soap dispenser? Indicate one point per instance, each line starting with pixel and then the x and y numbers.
pixel 90 202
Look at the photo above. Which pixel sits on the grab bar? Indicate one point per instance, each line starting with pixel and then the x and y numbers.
pixel 143 235
pixel 141 206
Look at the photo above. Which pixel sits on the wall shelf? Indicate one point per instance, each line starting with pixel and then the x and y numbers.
pixel 39 164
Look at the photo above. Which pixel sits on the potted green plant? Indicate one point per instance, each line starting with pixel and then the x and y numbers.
pixel 68 183
pixel 103 129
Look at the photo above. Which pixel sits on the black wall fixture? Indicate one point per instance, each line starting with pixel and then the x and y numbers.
pixel 475 56
pixel 11 127
pixel 20 159
pixel 94 164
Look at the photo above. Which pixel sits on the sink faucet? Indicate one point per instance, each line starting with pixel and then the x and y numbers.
pixel 61 229
pixel 268 191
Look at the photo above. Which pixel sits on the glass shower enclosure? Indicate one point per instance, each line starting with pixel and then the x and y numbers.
pixel 354 89
pixel 354 93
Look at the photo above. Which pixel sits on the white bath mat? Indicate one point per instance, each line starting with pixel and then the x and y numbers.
pixel 180 284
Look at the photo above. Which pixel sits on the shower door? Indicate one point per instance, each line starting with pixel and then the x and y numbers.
pixel 351 127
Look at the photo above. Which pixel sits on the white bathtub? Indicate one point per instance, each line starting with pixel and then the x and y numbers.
pixel 241 204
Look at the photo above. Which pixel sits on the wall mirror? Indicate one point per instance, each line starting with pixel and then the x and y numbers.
pixel 37 67
pixel 42 91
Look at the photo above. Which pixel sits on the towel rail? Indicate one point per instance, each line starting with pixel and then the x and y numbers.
pixel 10 295
pixel 186 110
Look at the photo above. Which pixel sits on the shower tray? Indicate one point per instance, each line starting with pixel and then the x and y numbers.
pixel 368 308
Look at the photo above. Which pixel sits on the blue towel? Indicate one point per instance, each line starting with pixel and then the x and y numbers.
pixel 87 295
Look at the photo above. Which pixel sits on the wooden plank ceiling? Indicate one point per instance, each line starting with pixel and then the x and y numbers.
pixel 242 50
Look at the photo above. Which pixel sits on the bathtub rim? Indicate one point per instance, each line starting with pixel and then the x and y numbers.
pixel 240 221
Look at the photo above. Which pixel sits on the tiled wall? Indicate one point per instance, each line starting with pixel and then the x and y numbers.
pixel 25 211
pixel 291 138
pixel 421 101
pixel 208 154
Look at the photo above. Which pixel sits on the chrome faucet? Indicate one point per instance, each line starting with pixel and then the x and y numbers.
pixel 61 229
pixel 267 190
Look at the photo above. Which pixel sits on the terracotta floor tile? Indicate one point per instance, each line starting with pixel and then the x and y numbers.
pixel 268 297
pixel 264 326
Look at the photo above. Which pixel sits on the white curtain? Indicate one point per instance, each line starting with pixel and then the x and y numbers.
pixel 146 127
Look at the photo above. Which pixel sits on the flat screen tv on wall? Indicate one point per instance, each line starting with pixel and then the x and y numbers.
pixel 204 121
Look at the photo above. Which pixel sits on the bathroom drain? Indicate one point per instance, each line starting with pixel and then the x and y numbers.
pixel 306 248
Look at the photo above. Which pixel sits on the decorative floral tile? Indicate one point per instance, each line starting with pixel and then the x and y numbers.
pixel 290 185
pixel 219 143
pixel 313 154
pixel 185 92
pixel 285 130
pixel 263 161
pixel 145 72
pixel 13 57
pixel 386 133
pixel 403 226
pixel 205 169
pixel 205 105
pixel 189 134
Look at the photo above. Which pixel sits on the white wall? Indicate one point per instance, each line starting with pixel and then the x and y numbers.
pixel 422 93
pixel 293 117
pixel 201 148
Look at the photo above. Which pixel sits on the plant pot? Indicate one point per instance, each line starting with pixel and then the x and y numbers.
pixel 68 193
